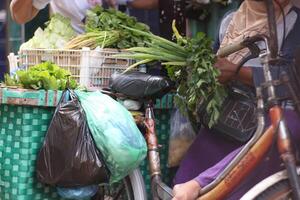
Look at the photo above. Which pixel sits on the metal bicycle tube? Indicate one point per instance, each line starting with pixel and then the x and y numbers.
pixel 268 79
pixel 286 152
pixel 153 149
pixel 272 28
pixel 243 168
pixel 283 136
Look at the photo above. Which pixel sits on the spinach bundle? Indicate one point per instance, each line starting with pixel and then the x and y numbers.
pixel 100 19
pixel 189 63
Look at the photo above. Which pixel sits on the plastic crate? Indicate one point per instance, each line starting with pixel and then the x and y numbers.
pixel 91 68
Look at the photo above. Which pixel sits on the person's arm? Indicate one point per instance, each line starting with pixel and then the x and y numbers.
pixel 228 70
pixel 191 189
pixel 144 4
pixel 23 11
pixel 138 4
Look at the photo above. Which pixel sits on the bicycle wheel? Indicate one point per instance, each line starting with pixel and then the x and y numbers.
pixel 132 187
pixel 274 187
pixel 279 191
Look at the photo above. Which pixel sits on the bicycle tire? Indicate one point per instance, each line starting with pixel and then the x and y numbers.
pixel 279 191
pixel 138 185
pixel 276 186
pixel 132 187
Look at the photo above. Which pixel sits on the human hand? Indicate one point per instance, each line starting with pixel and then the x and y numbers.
pixel 186 191
pixel 227 69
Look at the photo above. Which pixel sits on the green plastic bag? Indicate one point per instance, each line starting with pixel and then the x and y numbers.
pixel 115 133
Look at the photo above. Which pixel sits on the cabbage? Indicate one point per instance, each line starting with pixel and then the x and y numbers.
pixel 57 33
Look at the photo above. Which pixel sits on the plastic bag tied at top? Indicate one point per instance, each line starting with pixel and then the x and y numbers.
pixel 182 135
pixel 115 133
pixel 69 156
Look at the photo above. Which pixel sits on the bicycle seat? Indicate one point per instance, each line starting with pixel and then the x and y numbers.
pixel 139 85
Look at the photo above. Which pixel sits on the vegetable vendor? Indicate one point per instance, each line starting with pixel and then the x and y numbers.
pixel 210 154
pixel 23 11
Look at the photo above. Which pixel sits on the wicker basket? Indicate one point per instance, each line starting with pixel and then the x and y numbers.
pixel 91 68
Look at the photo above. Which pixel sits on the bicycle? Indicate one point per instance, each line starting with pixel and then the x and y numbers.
pixel 282 185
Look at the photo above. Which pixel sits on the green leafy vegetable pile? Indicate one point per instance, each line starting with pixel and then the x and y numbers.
pixel 190 63
pixel 46 76
pixel 57 33
pixel 100 19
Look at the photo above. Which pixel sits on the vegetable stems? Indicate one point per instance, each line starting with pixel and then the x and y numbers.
pixel 93 39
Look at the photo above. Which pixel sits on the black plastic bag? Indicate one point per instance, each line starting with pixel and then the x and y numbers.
pixel 69 157
pixel 238 119
pixel 139 85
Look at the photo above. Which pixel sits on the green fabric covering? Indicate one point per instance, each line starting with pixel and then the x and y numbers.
pixel 22 131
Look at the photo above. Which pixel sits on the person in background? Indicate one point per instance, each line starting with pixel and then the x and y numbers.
pixel 296 3
pixel 209 154
pixel 137 4
pixel 23 11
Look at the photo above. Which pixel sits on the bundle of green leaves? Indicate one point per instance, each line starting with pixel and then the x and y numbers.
pixel 100 19
pixel 190 64
pixel 46 76
pixel 198 83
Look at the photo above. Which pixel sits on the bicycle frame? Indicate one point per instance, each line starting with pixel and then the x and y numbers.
pixel 159 189
pixel 253 152
pixel 246 160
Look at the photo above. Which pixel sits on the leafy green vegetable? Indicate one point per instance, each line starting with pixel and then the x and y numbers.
pixel 46 76
pixel 57 33
pixel 189 62
pixel 10 81
pixel 100 19
pixel 199 78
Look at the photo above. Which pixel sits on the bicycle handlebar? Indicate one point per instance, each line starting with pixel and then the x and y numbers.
pixel 234 47
pixel 245 43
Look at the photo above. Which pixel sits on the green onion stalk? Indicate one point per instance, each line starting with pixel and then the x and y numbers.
pixel 189 63
pixel 94 39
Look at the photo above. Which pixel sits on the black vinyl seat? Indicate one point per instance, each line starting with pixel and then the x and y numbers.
pixel 139 85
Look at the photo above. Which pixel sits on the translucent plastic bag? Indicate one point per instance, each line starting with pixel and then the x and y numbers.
pixel 182 136
pixel 80 193
pixel 115 133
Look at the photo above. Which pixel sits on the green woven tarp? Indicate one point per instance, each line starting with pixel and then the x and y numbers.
pixel 22 131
